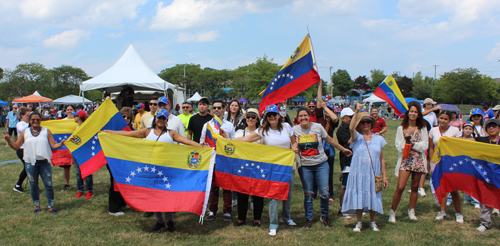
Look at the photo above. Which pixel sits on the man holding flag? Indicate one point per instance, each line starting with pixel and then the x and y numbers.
pixel 218 125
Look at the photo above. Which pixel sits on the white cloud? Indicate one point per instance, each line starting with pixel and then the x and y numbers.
pixel 200 37
pixel 116 35
pixel 495 53
pixel 66 40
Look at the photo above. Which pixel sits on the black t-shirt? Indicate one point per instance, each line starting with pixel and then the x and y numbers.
pixel 343 136
pixel 127 101
pixel 196 125
pixel 485 140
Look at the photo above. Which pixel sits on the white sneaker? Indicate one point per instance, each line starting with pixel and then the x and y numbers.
pixel 392 216
pixel 374 226
pixel 495 211
pixel 477 206
pixel 411 214
pixel 117 213
pixel 358 227
pixel 441 215
pixel 459 218
pixel 482 228
pixel 448 203
pixel 234 203
pixel 421 192
pixel 289 222
pixel 272 232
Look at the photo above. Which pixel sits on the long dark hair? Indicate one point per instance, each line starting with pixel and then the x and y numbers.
pixel 265 128
pixel 446 112
pixel 154 125
pixel 420 119
pixel 238 113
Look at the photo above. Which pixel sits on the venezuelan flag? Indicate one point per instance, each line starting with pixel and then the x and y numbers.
pixel 217 122
pixel 84 143
pixel 471 167
pixel 157 176
pixel 210 136
pixel 254 169
pixel 389 91
pixel 295 76
pixel 61 130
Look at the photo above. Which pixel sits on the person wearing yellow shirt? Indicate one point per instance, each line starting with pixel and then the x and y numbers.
pixel 153 106
pixel 141 110
pixel 186 115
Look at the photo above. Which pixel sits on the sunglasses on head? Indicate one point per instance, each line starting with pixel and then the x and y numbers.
pixel 217 107
pixel 251 117
pixel 153 104
pixel 365 122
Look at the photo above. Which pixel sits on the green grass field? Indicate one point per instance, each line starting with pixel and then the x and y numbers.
pixel 84 222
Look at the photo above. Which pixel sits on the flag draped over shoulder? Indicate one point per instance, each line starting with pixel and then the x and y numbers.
pixel 469 166
pixel 253 169
pixel 163 177
pixel 84 143
pixel 295 76
pixel 61 130
pixel 389 91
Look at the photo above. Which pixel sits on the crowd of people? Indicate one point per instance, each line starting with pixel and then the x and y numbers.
pixel 314 135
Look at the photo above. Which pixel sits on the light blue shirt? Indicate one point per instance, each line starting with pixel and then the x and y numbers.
pixel 13 120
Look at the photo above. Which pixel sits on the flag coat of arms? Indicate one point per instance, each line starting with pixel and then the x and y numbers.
pixel 389 91
pixel 61 130
pixel 157 176
pixel 253 169
pixel 84 142
pixel 295 76
pixel 469 166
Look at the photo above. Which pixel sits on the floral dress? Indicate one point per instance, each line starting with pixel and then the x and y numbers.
pixel 416 162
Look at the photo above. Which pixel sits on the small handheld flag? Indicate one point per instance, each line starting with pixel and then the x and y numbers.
pixel 389 91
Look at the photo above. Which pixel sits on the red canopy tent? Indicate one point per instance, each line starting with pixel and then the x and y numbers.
pixel 32 99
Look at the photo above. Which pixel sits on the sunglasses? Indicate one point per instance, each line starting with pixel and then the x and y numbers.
pixel 312 106
pixel 365 122
pixel 491 126
pixel 126 117
pixel 273 114
pixel 186 107
pixel 251 117
pixel 153 104
pixel 217 107
pixel 36 119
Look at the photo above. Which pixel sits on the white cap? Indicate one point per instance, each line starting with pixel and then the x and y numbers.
pixel 346 111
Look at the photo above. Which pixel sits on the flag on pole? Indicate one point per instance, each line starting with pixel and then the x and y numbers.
pixel 217 122
pixel 210 136
pixel 84 142
pixel 389 91
pixel 157 176
pixel 295 76
pixel 61 130
pixel 469 166
pixel 254 169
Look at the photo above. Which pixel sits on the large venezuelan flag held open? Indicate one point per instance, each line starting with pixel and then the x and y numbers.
pixel 157 176
pixel 389 91
pixel 295 76
pixel 84 143
pixel 471 167
pixel 253 169
pixel 61 130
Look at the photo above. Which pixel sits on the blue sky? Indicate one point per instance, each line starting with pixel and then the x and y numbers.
pixel 406 36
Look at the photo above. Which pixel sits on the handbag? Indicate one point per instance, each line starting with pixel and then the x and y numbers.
pixel 379 180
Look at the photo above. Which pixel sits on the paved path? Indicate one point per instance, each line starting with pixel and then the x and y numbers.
pixel 7 162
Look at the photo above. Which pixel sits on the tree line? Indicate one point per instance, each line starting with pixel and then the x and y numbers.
pixel 457 86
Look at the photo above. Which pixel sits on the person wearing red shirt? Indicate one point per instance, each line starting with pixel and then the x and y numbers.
pixel 380 126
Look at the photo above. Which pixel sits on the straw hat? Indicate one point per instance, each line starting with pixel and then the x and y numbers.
pixel 364 115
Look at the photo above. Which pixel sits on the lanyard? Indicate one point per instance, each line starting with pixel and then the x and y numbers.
pixel 497 140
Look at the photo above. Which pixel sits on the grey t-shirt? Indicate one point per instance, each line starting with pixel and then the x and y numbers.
pixel 311 144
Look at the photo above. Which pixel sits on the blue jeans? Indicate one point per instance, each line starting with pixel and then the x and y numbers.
pixel 274 207
pixel 44 169
pixel 316 174
pixel 89 183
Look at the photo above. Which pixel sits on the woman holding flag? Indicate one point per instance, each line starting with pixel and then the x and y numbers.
pixel 276 133
pixel 314 163
pixel 159 132
pixel 37 141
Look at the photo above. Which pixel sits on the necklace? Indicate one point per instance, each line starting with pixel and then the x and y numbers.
pixel 35 133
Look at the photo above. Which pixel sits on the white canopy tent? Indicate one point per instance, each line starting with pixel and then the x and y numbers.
pixel 71 99
pixel 196 97
pixel 129 69
pixel 373 99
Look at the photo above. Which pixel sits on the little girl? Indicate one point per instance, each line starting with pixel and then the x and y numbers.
pixel 469 134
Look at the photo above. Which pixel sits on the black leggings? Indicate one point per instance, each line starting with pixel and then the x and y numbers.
pixel 22 175
pixel 116 202
pixel 258 206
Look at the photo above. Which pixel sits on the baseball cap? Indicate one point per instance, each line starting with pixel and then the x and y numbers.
pixel 162 112
pixel 346 111
pixel 79 106
pixel 429 100
pixel 329 105
pixel 140 105
pixel 475 111
pixel 80 113
pixel 204 100
pixel 493 121
pixel 311 103
pixel 468 123
pixel 272 109
pixel 163 100
pixel 485 103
